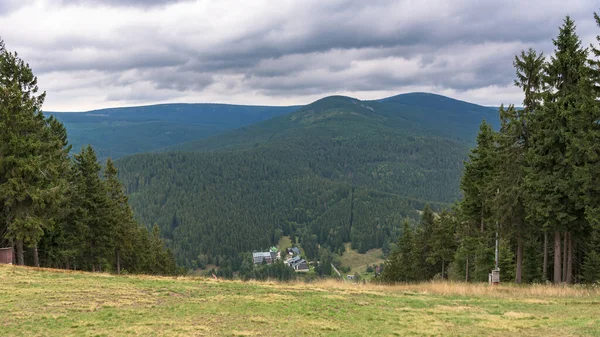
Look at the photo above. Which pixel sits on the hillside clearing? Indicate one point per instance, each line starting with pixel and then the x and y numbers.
pixel 58 303
pixel 359 262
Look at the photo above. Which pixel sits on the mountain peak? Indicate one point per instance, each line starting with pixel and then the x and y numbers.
pixel 333 107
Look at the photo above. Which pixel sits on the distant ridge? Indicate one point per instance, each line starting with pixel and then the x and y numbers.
pixel 118 132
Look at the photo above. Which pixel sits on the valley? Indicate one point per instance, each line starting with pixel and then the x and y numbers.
pixel 336 171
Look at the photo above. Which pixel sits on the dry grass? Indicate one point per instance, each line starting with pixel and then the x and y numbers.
pixel 46 302
pixel 447 288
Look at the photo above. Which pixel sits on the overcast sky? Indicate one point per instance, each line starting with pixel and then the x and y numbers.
pixel 92 54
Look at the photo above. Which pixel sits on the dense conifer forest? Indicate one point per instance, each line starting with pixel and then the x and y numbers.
pixel 338 170
pixel 534 183
pixel 58 210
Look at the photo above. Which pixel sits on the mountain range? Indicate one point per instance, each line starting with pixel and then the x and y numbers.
pixel 338 170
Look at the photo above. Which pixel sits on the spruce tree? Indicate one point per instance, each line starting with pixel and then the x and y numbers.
pixel 400 267
pixel 443 244
pixel 509 180
pixel 476 206
pixel 554 202
pixel 424 246
pixel 96 205
pixel 588 170
pixel 121 217
pixel 29 172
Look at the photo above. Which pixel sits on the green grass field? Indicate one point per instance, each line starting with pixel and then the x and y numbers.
pixel 359 262
pixel 37 302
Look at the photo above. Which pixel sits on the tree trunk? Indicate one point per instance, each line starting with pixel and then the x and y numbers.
pixel 519 273
pixel 20 254
pixel 481 217
pixel 564 255
pixel 545 266
pixel 569 278
pixel 442 269
pixel 467 270
pixel 118 261
pixel 557 260
pixel 36 258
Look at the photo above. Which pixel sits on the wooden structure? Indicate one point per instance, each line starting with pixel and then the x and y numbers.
pixel 6 255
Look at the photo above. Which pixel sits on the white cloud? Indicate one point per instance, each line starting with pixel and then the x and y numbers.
pixel 101 53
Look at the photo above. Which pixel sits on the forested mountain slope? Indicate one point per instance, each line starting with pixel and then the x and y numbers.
pixel 419 114
pixel 338 170
pixel 118 132
pixel 440 114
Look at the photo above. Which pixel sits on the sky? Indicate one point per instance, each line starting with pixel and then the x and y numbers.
pixel 91 54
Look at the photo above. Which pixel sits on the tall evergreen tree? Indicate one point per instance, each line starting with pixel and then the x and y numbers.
pixel 443 243
pixel 476 206
pixel 588 170
pixel 28 170
pixel 96 206
pixel 423 242
pixel 553 199
pixel 120 215
pixel 400 267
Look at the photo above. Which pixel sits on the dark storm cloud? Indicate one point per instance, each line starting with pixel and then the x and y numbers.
pixel 292 48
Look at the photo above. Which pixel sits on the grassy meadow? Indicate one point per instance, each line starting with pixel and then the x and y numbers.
pixel 359 262
pixel 44 302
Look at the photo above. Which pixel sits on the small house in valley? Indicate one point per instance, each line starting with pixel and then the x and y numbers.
pixel 294 251
pixel 299 264
pixel 268 257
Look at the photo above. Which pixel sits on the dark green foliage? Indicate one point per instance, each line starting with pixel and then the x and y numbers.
pixel 30 159
pixel 275 271
pixel 442 243
pixel 402 265
pixel 425 252
pixel 479 170
pixel 336 171
pixel 537 174
pixel 441 115
pixel 554 198
pixel 529 67
pixel 79 220
pixel 326 259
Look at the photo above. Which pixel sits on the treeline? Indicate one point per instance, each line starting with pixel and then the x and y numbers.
pixel 535 183
pixel 57 211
